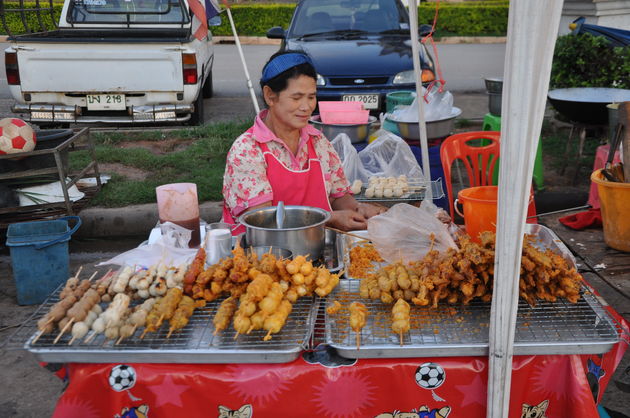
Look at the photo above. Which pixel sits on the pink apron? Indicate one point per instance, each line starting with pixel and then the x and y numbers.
pixel 301 187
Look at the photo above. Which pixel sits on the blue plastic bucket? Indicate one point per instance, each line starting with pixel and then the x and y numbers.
pixel 39 257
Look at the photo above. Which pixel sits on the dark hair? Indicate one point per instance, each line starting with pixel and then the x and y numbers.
pixel 280 82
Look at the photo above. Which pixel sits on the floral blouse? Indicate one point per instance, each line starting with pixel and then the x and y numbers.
pixel 245 181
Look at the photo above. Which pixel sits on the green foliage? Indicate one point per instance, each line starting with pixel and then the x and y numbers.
pixel 467 19
pixel 463 19
pixel 201 162
pixel 35 23
pixel 255 20
pixel 589 61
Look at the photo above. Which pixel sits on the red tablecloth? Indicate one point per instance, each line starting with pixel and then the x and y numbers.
pixel 552 385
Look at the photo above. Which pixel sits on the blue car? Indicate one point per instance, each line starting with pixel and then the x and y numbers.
pixel 361 48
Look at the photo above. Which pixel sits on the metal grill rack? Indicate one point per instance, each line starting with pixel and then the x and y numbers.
pixel 195 343
pixel 437 192
pixel 549 328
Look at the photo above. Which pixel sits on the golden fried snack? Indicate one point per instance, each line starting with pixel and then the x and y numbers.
pixel 358 318
pixel 401 318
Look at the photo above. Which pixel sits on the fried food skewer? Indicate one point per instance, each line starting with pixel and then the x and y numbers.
pixel 224 314
pixel 401 318
pixel 358 317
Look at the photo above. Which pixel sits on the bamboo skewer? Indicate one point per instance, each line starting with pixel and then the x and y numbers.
pixel 37 337
pixel 72 340
pixel 401 339
pixel 358 341
pixel 63 330
pixel 350 234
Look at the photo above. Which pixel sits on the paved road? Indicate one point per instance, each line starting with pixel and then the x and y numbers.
pixel 463 67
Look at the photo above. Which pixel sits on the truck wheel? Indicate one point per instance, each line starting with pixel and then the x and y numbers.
pixel 207 86
pixel 197 116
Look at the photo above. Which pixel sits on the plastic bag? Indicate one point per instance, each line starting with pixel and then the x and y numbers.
pixel 350 161
pixel 389 156
pixel 170 249
pixel 439 105
pixel 403 233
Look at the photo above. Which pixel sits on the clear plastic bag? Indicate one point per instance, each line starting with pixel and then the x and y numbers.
pixel 350 161
pixel 389 156
pixel 403 233
pixel 439 105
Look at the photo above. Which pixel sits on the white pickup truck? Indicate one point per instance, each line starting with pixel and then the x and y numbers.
pixel 114 62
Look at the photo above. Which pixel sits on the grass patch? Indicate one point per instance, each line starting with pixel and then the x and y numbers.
pixel 202 162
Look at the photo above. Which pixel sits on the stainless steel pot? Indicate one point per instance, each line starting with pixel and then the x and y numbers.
pixel 357 133
pixel 494 103
pixel 303 232
pixel 435 128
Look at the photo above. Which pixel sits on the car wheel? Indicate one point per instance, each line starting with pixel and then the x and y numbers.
pixel 207 86
pixel 197 116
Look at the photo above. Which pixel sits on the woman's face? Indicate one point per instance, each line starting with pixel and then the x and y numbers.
pixel 294 105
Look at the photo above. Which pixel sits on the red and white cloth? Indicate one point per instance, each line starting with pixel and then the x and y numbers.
pixel 202 11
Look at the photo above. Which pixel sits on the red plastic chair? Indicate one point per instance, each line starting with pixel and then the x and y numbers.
pixel 479 161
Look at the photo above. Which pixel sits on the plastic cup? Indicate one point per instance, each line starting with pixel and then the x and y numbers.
pixel 218 242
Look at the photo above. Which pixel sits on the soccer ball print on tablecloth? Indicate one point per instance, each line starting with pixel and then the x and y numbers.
pixel 430 375
pixel 16 136
pixel 122 377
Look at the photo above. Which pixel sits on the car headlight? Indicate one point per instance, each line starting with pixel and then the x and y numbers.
pixel 404 77
pixel 407 77
pixel 320 80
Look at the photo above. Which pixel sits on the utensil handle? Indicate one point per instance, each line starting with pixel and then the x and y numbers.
pixel 456 208
pixel 347 233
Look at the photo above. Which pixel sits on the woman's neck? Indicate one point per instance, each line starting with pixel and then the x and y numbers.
pixel 289 135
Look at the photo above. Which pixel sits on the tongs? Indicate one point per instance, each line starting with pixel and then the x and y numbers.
pixel 607 171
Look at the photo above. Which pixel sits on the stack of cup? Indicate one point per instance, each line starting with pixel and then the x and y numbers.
pixel 218 242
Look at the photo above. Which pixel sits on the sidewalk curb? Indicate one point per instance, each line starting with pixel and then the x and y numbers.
pixel 137 220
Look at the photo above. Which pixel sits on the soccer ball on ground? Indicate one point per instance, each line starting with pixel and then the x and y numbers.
pixel 122 377
pixel 430 375
pixel 16 136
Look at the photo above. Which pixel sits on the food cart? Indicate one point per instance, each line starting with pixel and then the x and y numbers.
pixel 313 368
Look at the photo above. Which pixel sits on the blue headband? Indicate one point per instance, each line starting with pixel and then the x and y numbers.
pixel 281 63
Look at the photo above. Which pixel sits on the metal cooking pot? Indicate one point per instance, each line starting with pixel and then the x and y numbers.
pixel 357 133
pixel 435 129
pixel 587 104
pixel 303 232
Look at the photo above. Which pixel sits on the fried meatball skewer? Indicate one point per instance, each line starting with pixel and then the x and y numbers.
pixel 400 318
pixel 358 317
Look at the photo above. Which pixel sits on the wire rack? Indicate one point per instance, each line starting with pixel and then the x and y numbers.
pixel 195 343
pixel 437 192
pixel 549 328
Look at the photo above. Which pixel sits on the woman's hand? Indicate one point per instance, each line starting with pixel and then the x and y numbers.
pixel 369 209
pixel 347 220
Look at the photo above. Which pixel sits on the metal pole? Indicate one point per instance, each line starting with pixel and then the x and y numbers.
pixel 240 53
pixel 424 145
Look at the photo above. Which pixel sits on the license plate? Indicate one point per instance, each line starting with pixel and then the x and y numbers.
pixel 370 101
pixel 106 102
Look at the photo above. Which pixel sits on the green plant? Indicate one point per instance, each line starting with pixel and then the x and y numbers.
pixel 36 23
pixel 464 19
pixel 199 159
pixel 589 61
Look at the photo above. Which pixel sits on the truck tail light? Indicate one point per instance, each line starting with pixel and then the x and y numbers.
pixel 189 62
pixel 11 64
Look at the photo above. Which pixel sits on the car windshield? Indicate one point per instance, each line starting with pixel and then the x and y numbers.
pixel 334 17
pixel 127 11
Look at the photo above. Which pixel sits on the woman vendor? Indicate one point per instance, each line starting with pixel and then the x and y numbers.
pixel 283 158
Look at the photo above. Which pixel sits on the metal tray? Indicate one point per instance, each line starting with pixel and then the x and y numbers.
pixel 193 344
pixel 437 192
pixel 549 328
pixel 545 238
